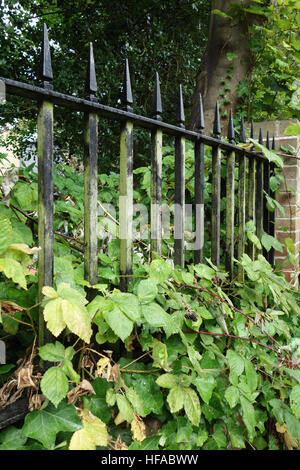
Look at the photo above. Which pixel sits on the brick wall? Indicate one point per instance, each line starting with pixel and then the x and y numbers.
pixel 287 225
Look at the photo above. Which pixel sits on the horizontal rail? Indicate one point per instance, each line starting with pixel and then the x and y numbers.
pixel 14 87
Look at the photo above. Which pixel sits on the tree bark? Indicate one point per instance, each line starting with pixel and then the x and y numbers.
pixel 225 36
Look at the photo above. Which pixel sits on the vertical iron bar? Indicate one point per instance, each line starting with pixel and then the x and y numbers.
pixel 199 187
pixel 216 192
pixel 90 179
pixel 259 193
pixel 179 188
pixel 230 167
pixel 45 187
pixel 156 175
pixel 252 193
pixel 126 186
pixel 272 214
pixel 242 204
pixel 266 213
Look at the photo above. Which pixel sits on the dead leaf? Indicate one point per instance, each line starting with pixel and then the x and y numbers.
pixel 119 445
pixel 35 401
pixel 290 440
pixel 138 428
pixel 84 388
pixel 24 376
pixel 281 428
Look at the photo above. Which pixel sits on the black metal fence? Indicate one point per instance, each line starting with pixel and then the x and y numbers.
pixel 255 179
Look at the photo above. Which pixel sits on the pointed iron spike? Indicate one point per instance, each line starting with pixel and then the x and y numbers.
pixel 91 82
pixel 260 138
pixel 127 93
pixel 200 117
pixel 46 74
pixel 230 133
pixel 180 109
pixel 217 123
pixel 242 137
pixel 273 143
pixel 252 130
pixel 157 107
pixel 268 141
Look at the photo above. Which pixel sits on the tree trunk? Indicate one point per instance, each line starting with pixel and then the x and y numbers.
pixel 225 36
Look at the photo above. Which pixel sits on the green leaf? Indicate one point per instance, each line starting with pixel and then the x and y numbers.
pixel 251 375
pixel 160 355
pixel 54 385
pixel 68 369
pixel 52 352
pixel 147 290
pixel 11 438
pixel 271 156
pixel 135 400
pixel 6 233
pixel 235 361
pixel 13 270
pixel 129 304
pixel 293 129
pixel 167 381
pixel 248 414
pixel 204 271
pixel 295 401
pixel 44 424
pixel 77 319
pixel 53 316
pixel 49 292
pixel 160 270
pixel 232 396
pixel 192 406
pixel 269 242
pixel 125 407
pixel 176 398
pixel 157 317
pixel 119 322
pixel 221 13
pixel 236 435
pixel 205 387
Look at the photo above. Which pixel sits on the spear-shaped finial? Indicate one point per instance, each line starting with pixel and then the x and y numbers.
pixel 268 141
pixel 91 82
pixel 126 92
pixel 242 137
pixel 273 143
pixel 180 109
pixel 260 137
pixel 200 116
pixel 217 123
pixel 157 107
pixel 46 74
pixel 230 132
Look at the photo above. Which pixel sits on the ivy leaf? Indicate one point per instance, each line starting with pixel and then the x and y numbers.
pixel 54 385
pixel 147 291
pixel 192 406
pixel 44 424
pixel 235 361
pixel 175 399
pixel 119 322
pixel 11 438
pixel 93 434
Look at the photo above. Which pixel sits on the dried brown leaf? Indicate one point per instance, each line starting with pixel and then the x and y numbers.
pixel 84 388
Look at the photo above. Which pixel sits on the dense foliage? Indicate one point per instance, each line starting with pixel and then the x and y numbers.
pixel 184 360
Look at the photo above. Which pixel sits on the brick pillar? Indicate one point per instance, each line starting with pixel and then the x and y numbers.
pixel 287 225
